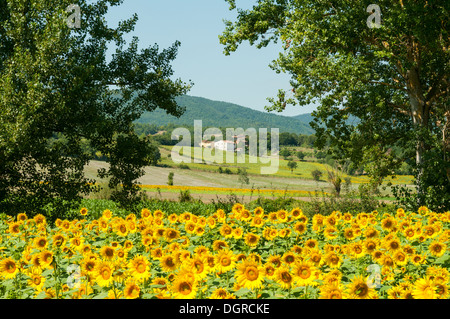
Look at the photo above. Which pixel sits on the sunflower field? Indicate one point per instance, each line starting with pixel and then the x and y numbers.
pixel 242 253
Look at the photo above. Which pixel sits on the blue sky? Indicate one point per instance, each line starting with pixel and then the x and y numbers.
pixel 243 78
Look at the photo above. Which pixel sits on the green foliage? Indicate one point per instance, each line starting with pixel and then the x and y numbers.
pixel 57 81
pixel 170 179
pixel 316 174
pixel 301 155
pixel 285 153
pixel 185 196
pixel 292 165
pixel 243 176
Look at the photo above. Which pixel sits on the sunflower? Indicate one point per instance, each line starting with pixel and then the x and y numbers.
pixel 171 234
pixel 300 227
pixel 103 273
pixel 83 290
pixel 201 250
pixel 251 239
pixel 162 284
pixel 274 260
pixel 437 249
pixel 76 243
pixel 424 288
pixel 88 266
pixel 200 230
pixel 371 232
pixel 333 277
pixel 168 263
pixel 226 231
pixel 237 233
pixel 289 258
pixel 211 221
pixel 15 228
pixel 400 258
pixel 189 227
pixel 318 222
pixel 357 250
pixel 183 288
pixel 358 289
pixel 41 242
pixel 315 256
pixel 139 267
pixel 46 258
pixel 388 223
pixel 225 260
pixel 36 280
pixel 8 268
pixel 387 261
pixel 39 219
pixel 333 291
pixel 423 210
pixel 370 245
pixel 121 229
pixel 158 214
pixel 269 270
pixel 245 215
pixel 282 216
pixel 395 292
pixel 305 273
pixel 199 266
pixel 330 232
pixel 131 290
pixel 311 243
pixel 220 293
pixel 219 244
pixel 393 245
pixel 83 211
pixel 257 221
pixel 249 274
pixel 107 214
pixel 333 260
pixel 258 211
pixel 107 252
pixel 349 233
pixel 441 290
pixel 283 277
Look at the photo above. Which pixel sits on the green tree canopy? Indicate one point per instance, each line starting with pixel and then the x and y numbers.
pixel 56 79
pixel 394 79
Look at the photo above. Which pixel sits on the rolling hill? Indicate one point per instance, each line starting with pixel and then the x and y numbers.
pixel 225 115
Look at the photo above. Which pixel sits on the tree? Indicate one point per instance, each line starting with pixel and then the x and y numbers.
pixel 394 79
pixel 285 152
pixel 170 179
pixel 243 176
pixel 55 79
pixel 301 155
pixel 316 174
pixel 292 165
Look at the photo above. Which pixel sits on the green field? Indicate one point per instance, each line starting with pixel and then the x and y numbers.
pixel 207 175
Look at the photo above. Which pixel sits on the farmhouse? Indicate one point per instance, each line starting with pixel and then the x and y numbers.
pixel 207 144
pixel 224 145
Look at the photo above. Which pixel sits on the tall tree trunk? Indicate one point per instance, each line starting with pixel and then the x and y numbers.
pixel 420 117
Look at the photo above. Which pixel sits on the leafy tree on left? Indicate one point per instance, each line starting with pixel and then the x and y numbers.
pixel 57 80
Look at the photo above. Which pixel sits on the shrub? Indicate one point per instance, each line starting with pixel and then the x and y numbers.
pixel 316 174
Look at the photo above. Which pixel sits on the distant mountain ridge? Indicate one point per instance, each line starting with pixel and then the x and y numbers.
pixel 226 115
